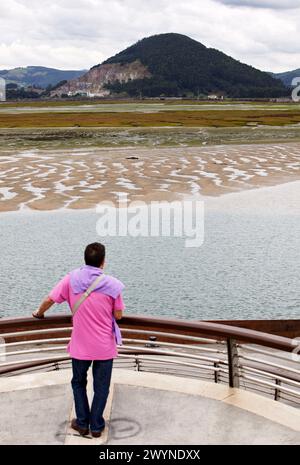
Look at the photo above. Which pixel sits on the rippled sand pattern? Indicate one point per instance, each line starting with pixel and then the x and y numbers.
pixel 45 180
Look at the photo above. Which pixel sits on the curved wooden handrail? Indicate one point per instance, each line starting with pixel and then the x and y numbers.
pixel 177 326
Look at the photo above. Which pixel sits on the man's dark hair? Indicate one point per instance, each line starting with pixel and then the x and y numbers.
pixel 94 254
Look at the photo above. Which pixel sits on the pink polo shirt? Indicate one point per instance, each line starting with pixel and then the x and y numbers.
pixel 92 334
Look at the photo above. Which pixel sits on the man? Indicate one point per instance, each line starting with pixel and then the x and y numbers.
pixel 93 340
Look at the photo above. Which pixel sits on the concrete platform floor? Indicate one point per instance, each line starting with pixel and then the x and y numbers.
pixel 35 416
pixel 144 408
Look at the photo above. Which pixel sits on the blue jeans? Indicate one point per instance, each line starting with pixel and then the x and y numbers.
pixel 101 375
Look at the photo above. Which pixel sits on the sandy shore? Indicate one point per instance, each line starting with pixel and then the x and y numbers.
pixel 79 179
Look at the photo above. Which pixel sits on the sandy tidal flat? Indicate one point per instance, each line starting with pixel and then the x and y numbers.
pixel 45 180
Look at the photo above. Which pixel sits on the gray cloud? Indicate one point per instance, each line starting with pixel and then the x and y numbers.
pixel 81 33
pixel 272 4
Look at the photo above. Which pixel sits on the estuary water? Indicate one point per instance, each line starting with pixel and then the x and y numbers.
pixel 247 268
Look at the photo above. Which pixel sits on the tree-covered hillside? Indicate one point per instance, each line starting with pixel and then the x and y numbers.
pixel 182 66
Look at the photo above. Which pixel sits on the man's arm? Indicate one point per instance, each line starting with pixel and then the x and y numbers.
pixel 58 295
pixel 45 305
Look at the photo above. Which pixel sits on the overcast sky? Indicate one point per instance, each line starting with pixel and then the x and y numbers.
pixel 77 34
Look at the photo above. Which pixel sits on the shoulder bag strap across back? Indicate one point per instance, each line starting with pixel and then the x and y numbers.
pixel 87 293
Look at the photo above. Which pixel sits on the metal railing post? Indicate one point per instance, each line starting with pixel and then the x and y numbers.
pixel 137 363
pixel 216 372
pixel 233 361
pixel 277 391
pixel 56 366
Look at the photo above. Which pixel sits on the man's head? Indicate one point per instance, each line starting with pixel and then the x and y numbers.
pixel 94 254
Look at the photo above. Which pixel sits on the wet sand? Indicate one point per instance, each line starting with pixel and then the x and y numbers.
pixel 81 178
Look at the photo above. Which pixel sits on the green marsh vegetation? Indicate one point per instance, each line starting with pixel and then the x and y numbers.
pixel 109 123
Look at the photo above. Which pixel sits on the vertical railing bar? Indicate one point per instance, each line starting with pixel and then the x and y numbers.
pixel 216 372
pixel 137 363
pixel 277 391
pixel 232 353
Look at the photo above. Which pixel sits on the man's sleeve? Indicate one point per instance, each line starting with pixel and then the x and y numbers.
pixel 119 303
pixel 60 292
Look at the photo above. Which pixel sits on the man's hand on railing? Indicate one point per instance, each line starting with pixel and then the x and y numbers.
pixel 38 315
pixel 45 305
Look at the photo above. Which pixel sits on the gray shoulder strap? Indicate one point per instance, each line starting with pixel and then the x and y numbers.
pixel 87 293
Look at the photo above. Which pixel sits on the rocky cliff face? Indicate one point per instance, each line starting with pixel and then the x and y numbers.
pixel 92 83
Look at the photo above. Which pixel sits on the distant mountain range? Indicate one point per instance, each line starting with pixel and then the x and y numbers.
pixel 287 78
pixel 173 65
pixel 38 76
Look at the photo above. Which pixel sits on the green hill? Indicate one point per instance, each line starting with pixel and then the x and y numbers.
pixel 38 76
pixel 288 77
pixel 182 66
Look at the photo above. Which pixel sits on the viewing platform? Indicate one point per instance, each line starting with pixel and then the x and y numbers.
pixel 174 382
